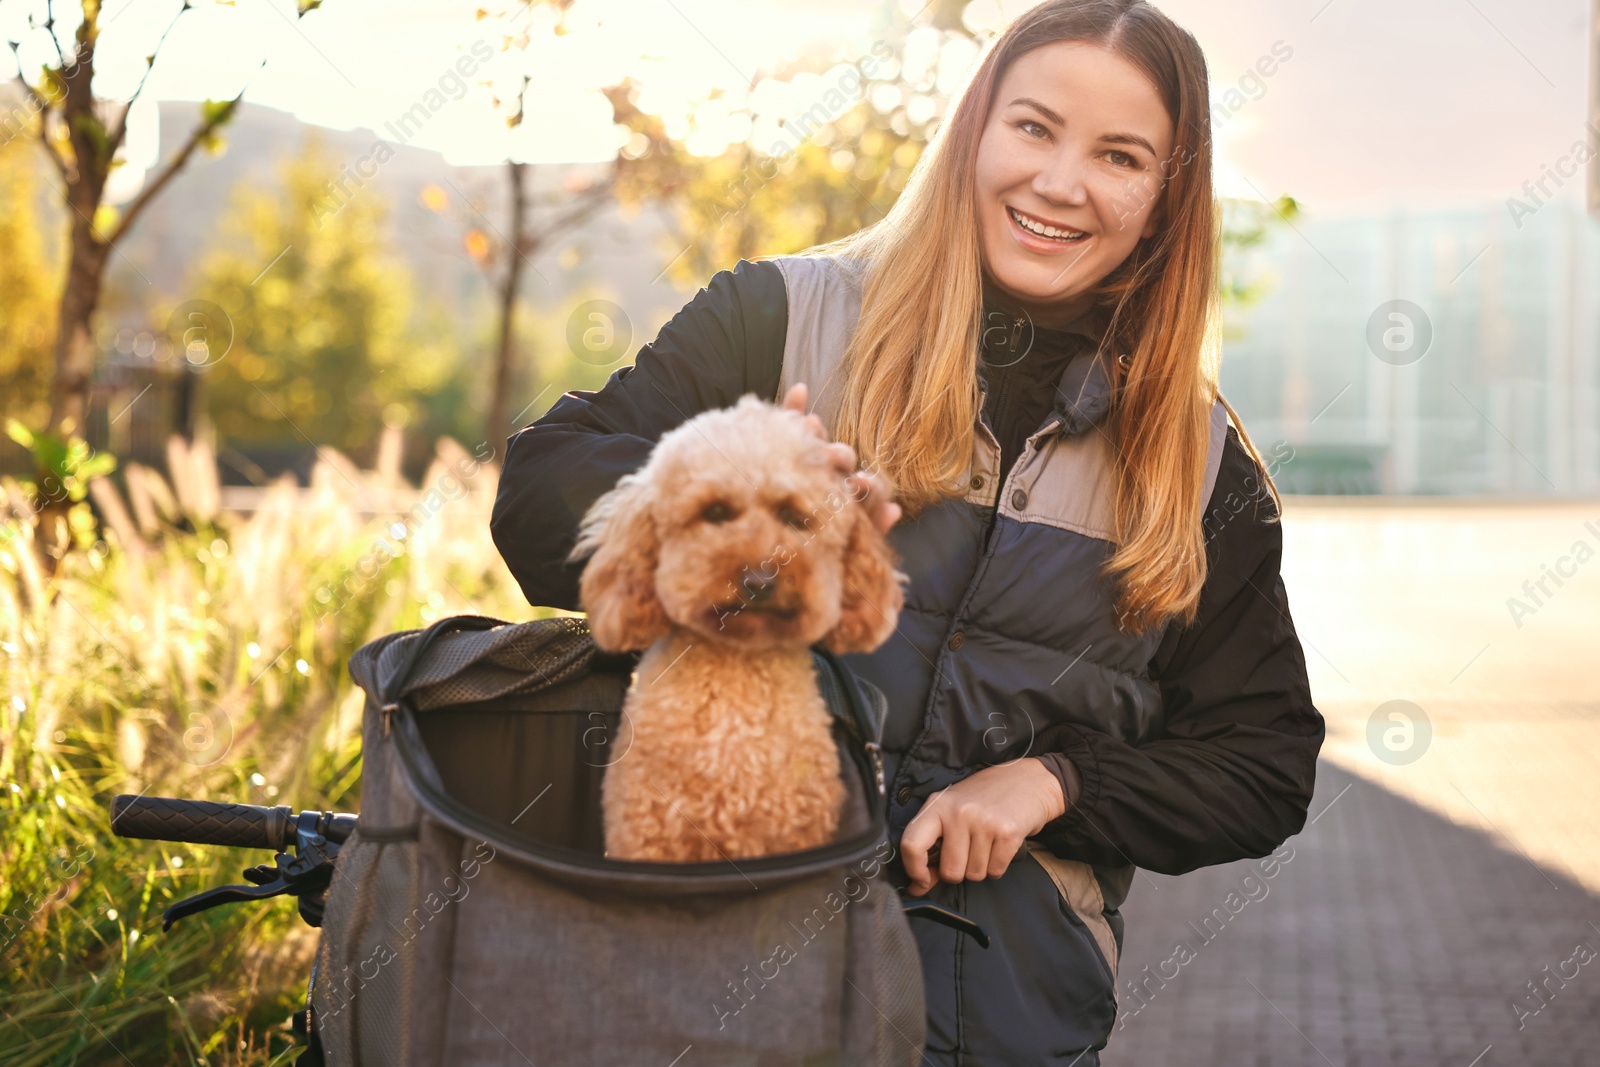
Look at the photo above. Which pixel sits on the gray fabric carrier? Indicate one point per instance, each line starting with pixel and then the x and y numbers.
pixel 474 919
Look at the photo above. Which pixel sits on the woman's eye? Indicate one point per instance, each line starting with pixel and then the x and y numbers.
pixel 716 511
pixel 1028 126
pixel 790 515
pixel 1121 159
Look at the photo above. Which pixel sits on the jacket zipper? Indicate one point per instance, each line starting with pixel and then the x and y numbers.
pixel 999 413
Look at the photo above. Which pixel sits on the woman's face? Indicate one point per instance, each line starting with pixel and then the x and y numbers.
pixel 1076 144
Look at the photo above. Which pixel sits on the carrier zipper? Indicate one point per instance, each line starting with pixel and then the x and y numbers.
pixel 875 753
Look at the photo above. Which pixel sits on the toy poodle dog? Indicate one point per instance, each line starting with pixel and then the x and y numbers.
pixel 726 556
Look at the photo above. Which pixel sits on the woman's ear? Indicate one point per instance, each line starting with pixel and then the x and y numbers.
pixel 871 597
pixel 618 587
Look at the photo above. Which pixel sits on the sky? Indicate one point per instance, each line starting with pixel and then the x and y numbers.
pixel 1370 103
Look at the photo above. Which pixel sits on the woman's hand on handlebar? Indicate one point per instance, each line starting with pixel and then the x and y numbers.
pixel 869 488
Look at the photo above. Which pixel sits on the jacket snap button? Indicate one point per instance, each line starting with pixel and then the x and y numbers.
pixel 903 794
pixel 1019 500
pixel 957 639
pixel 977 483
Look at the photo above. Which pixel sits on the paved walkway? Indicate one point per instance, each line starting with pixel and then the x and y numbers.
pixel 1391 937
pixel 1438 880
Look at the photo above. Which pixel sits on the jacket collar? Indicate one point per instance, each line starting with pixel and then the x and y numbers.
pixel 1083 394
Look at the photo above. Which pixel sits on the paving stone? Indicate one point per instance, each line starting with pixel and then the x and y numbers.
pixel 1394 936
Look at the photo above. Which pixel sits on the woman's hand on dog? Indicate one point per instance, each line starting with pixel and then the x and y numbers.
pixel 977 825
pixel 869 489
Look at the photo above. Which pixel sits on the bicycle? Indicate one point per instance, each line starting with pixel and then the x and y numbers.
pixel 314 836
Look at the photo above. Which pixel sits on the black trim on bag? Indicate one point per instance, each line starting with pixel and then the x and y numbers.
pixel 671 878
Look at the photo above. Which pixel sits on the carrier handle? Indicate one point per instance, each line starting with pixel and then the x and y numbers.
pixel 413 655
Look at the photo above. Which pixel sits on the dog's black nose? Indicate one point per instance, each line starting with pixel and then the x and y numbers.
pixel 760 589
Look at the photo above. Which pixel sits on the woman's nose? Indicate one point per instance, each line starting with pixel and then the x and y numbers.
pixel 1062 180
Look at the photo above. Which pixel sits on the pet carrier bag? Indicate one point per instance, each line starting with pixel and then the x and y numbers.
pixel 473 918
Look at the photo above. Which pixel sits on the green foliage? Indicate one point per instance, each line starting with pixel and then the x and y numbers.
pixel 201 655
pixel 326 346
pixel 1246 225
pixel 214 115
pixel 28 280
pixel 65 465
pixel 836 177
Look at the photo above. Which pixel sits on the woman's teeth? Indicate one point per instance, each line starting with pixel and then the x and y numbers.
pixel 1041 230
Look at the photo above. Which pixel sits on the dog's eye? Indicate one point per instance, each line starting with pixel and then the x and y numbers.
pixel 716 511
pixel 790 515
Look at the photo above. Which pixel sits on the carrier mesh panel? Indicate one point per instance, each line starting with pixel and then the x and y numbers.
pixel 477 665
pixel 897 979
pixel 349 904
pixel 380 1004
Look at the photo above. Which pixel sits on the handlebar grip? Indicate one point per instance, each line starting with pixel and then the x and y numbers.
pixel 201 822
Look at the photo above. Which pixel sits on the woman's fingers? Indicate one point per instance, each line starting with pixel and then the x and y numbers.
pixel 795 398
pixel 980 854
pixel 841 455
pixel 921 835
pixel 873 494
pixel 954 847
pixel 869 489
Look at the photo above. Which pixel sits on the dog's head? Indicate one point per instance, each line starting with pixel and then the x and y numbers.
pixel 740 530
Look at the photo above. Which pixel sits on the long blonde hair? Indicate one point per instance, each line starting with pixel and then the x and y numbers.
pixel 909 397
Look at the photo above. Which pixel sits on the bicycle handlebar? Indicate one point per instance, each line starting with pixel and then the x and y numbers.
pixel 204 822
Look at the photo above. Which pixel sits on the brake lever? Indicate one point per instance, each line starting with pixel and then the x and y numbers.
pixel 304 875
pixel 260 875
pixel 225 894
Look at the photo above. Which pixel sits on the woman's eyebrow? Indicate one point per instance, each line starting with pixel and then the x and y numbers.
pixel 1028 101
pixel 1128 138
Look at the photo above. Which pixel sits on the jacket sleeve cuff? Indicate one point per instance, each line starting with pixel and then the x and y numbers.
pixel 1073 748
pixel 1066 773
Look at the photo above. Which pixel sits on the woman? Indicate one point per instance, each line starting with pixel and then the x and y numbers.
pixel 1095 669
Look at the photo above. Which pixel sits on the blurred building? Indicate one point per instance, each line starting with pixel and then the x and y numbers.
pixel 1500 393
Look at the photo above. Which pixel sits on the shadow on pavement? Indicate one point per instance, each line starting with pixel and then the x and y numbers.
pixel 1389 937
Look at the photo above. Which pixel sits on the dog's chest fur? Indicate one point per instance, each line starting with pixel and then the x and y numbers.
pixel 733 757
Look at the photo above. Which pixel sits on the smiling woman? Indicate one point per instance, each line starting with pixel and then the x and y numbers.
pixel 1080 682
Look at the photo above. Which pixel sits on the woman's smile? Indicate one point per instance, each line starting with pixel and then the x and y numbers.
pixel 1041 235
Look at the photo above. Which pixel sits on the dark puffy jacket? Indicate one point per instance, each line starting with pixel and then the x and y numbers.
pixel 1192 745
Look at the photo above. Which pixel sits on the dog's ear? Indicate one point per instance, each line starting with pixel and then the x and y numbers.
pixel 618 587
pixel 871 599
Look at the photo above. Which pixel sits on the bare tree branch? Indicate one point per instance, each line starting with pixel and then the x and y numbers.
pixel 121 131
pixel 44 106
pixel 175 164
pixel 589 201
pixel 50 24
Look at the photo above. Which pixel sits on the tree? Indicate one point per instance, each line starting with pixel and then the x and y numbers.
pixel 532 225
pixel 27 290
pixel 326 344
pixel 82 143
pixel 838 156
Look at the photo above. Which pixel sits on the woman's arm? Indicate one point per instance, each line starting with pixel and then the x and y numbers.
pixel 1230 778
pixel 727 341
pixel 1232 775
